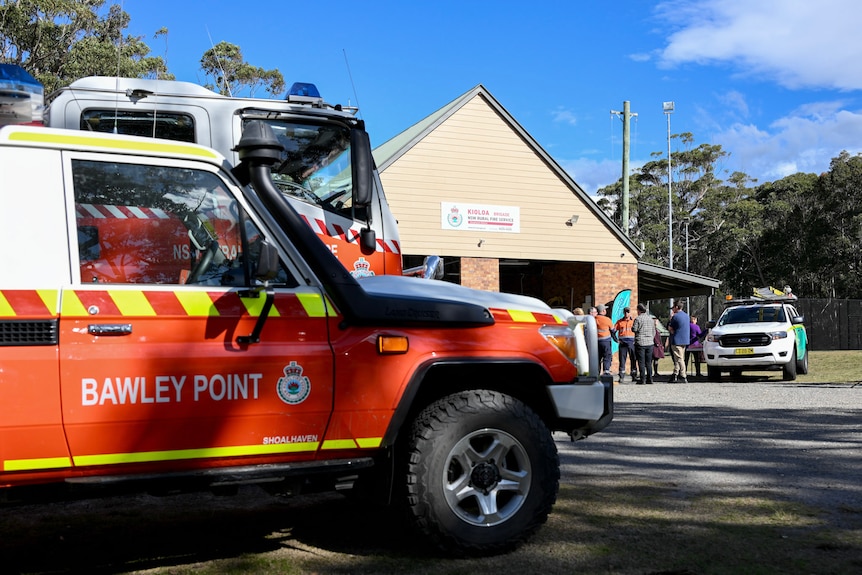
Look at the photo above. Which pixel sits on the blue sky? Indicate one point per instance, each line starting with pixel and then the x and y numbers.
pixel 776 83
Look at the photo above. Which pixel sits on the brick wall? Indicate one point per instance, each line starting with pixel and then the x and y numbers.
pixel 480 273
pixel 610 279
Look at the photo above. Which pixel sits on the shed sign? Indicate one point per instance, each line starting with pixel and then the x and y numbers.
pixel 480 217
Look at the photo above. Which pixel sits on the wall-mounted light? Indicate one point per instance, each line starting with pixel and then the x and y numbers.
pixel 481 241
pixel 572 221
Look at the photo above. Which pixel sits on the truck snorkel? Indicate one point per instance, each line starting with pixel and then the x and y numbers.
pixel 258 151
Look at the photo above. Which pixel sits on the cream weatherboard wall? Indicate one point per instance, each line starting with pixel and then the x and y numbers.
pixel 476 156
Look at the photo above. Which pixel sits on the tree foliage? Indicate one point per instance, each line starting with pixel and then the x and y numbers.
pixel 803 230
pixel 231 74
pixel 59 41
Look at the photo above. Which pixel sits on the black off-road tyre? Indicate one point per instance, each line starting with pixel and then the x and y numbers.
pixel 482 473
pixel 713 374
pixel 788 371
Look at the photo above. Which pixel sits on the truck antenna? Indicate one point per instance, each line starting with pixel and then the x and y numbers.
pixel 218 61
pixel 352 85
pixel 117 78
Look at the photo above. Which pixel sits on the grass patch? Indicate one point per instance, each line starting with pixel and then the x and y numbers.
pixel 838 366
pixel 611 525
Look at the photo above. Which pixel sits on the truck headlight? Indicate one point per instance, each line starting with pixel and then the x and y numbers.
pixel 777 334
pixel 561 337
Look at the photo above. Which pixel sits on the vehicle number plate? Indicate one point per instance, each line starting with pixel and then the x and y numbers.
pixel 743 351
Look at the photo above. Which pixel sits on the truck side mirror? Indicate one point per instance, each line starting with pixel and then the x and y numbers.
pixel 362 164
pixel 367 241
pixel 267 263
pixel 433 266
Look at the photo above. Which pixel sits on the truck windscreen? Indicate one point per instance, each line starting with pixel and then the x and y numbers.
pixel 315 165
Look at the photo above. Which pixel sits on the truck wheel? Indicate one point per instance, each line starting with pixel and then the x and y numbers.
pixel 802 364
pixel 788 371
pixel 713 373
pixel 482 473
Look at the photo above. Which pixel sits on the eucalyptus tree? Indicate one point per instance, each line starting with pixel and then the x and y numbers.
pixel 231 74
pixel 59 41
pixel 694 179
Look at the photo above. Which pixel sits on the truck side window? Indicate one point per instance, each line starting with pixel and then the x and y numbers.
pixel 161 225
pixel 166 125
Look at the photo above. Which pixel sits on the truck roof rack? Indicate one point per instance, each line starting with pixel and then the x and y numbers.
pixel 767 294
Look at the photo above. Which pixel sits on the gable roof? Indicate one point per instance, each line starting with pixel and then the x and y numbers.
pixel 390 151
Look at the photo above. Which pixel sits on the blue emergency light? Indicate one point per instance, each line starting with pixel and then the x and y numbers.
pixel 22 97
pixel 304 93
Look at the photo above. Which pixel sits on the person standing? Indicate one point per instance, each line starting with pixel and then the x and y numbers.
pixel 626 340
pixel 657 346
pixel 643 327
pixel 604 325
pixel 679 327
pixel 695 346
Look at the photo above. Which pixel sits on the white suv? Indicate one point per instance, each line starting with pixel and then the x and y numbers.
pixel 757 336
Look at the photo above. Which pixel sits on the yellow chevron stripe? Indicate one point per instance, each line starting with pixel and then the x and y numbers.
pixel 196 303
pixel 313 303
pixel 132 302
pixel 5 308
pixel 522 316
pixel 254 305
pixel 49 298
pixel 71 305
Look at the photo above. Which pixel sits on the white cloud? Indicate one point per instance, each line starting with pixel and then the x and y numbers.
pixel 564 116
pixel 797 43
pixel 734 102
pixel 804 141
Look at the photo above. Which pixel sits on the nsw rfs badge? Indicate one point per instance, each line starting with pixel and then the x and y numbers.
pixel 294 387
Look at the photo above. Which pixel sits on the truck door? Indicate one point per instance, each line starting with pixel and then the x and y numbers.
pixel 152 369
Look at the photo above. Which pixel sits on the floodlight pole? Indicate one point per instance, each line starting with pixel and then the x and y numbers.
pixel 667 107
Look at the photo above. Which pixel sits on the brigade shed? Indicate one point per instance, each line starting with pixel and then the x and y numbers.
pixel 468 183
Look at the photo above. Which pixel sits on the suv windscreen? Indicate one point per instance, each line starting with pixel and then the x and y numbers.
pixel 752 314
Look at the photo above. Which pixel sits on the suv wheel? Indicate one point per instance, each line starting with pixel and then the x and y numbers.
pixel 802 364
pixel 788 372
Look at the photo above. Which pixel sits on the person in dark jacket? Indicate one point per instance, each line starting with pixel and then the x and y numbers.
pixel 645 333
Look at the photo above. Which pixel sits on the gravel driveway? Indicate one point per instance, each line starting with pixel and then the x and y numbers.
pixel 801 441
